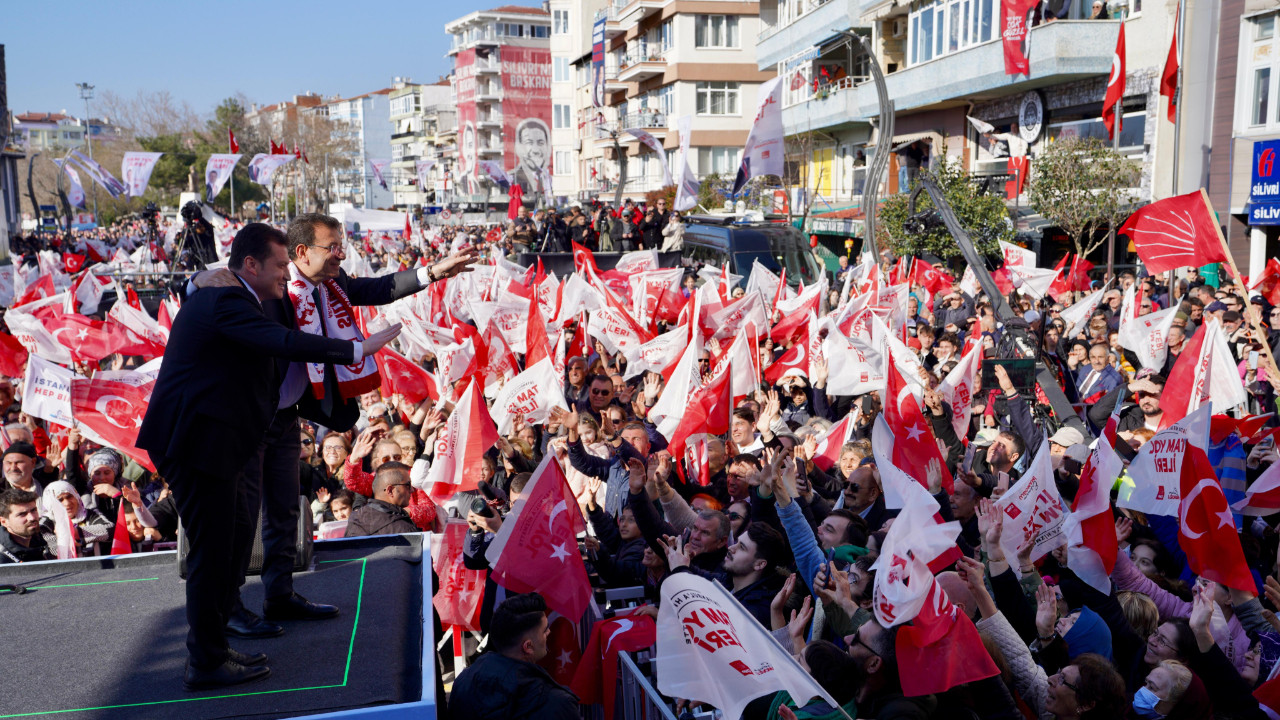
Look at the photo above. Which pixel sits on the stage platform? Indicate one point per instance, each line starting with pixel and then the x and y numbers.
pixel 105 639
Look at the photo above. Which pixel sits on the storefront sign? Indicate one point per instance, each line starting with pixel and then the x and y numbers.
pixel 844 227
pixel 1266 173
pixel 1264 213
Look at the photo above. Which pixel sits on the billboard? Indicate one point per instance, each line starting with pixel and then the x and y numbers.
pixel 526 117
pixel 464 70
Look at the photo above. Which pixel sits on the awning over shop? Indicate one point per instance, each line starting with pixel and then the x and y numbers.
pixel 845 222
pixel 901 141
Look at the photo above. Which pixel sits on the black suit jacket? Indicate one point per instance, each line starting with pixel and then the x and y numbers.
pixel 218 387
pixel 361 291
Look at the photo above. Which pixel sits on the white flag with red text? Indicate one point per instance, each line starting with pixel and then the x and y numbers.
pixel 530 395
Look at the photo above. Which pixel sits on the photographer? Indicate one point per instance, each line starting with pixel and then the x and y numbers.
pixel 199 248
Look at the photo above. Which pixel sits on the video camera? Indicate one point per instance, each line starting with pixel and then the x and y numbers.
pixel 191 212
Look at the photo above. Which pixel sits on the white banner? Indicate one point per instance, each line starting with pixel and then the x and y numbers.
pixel 687 192
pixel 100 175
pixel 652 143
pixel 1153 484
pixel 75 193
pixel 423 170
pixel 763 154
pixel 530 395
pixel 216 173
pixel 1077 315
pixel 1015 256
pixel 712 649
pixel 1147 336
pixel 494 171
pixel 263 166
pixel 1033 510
pixel 46 391
pixel 379 166
pixel 136 169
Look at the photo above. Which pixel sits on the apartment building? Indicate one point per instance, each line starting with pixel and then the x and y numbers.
pixel 59 132
pixel 1245 114
pixel 280 120
pixel 366 120
pixel 661 60
pixel 944 62
pixel 501 84
pixel 416 112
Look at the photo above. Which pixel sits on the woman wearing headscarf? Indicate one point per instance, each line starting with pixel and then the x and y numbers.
pixel 90 530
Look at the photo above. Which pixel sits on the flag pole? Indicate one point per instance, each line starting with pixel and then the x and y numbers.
pixel 1179 25
pixel 1259 335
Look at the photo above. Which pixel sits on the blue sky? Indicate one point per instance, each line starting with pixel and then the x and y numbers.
pixel 322 46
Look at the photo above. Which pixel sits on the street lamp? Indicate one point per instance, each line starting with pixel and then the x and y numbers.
pixel 86 94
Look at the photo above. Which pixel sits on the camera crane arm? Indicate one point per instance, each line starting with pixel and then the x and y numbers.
pixel 1045 378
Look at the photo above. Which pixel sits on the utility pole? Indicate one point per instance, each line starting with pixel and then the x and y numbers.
pixel 86 94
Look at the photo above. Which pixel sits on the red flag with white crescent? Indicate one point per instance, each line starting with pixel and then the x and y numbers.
pixel 1111 104
pixel 110 407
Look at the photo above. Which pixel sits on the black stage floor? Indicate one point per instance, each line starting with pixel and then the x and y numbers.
pixel 102 639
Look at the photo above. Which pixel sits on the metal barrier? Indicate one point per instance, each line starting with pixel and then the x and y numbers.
pixel 637 699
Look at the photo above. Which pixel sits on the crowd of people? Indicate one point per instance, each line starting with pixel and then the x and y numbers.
pixel 793 538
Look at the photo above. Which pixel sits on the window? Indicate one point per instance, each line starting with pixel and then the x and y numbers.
pixel 1132 133
pixel 1260 60
pixel 559 22
pixel 722 160
pixel 666 95
pixel 563 162
pixel 540 31
pixel 716 31
pixel 561 117
pixel 560 69
pixel 941 27
pixel 1261 96
pixel 718 98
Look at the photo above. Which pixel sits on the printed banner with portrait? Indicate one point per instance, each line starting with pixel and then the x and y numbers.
pixel 464 71
pixel 526 117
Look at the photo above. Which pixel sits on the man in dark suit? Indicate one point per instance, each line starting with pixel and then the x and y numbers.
pixel 216 394
pixel 316 251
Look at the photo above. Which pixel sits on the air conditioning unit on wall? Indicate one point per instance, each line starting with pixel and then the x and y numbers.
pixel 899 27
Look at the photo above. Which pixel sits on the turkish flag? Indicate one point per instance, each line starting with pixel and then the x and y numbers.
pixel 233 146
pixel 109 408
pixel 596 679
pixel 1268 282
pixel 796 358
pixel 537 344
pixel 1080 274
pixel 564 650
pixel 537 548
pixel 942 648
pixel 401 376
pixel 1176 232
pixel 466 436
pixel 460 597
pixel 930 278
pixel 72 262
pixel 707 412
pixel 831 442
pixel 795 316
pixel 1206 531
pixel 41 289
pixel 1090 527
pixel 584 261
pixel 1169 78
pixel 88 339
pixel 13 356
pixel 1111 112
pixel 121 543
pixel 1263 496
pixel 915 444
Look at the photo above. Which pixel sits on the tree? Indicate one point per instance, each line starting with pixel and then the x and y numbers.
pixel 1082 186
pixel 983 215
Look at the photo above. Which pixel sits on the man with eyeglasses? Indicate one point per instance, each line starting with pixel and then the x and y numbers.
pixel 319 300
pixel 1146 413
pixel 385 513
pixel 875 673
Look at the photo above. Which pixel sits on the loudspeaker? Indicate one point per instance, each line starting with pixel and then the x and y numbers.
pixel 303 543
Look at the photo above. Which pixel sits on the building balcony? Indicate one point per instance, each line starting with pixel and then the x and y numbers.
pixel 488 95
pixel 486 67
pixel 494 149
pixel 822 19
pixel 642 66
pixel 612 28
pixel 407 134
pixel 493 120
pixel 656 122
pixel 1061 51
pixel 631 12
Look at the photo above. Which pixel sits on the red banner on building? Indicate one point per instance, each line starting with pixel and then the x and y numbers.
pixel 526 117
pixel 464 70
pixel 1016 33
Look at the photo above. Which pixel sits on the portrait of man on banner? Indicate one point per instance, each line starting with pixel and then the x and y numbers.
pixel 533 145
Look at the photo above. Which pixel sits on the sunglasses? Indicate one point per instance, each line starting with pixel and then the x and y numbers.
pixel 734 516
pixel 601 392
pixel 308 441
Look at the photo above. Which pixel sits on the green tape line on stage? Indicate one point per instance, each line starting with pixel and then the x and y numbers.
pixel 364 563
pixel 103 582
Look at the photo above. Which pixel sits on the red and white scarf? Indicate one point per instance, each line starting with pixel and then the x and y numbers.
pixel 339 322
